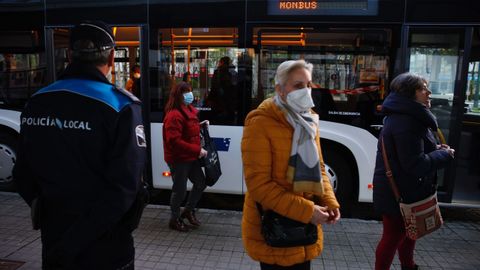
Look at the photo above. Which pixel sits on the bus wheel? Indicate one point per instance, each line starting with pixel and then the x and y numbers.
pixel 7 161
pixel 341 174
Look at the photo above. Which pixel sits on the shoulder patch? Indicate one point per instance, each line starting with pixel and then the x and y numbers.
pixel 140 134
pixel 128 94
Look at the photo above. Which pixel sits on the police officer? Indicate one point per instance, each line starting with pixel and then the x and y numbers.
pixel 80 159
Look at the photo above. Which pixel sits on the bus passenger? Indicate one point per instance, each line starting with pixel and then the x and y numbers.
pixel 181 144
pixel 223 96
pixel 80 160
pixel 133 83
pixel 414 157
pixel 284 169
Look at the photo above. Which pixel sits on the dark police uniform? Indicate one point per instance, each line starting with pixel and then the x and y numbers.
pixel 82 153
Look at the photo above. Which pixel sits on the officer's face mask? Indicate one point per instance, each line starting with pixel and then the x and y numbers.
pixel 188 98
pixel 109 75
pixel 300 100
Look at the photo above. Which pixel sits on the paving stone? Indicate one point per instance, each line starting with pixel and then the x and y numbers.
pixel 217 244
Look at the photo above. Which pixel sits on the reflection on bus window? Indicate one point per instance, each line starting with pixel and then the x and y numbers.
pixel 20 76
pixel 350 70
pixel 473 89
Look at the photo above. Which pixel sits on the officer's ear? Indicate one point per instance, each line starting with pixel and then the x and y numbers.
pixel 111 58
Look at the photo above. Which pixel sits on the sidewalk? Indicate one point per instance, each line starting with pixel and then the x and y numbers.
pixel 350 244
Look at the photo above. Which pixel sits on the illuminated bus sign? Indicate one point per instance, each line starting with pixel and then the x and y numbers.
pixel 323 7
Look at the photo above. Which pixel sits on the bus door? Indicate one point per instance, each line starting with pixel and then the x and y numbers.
pixel 211 62
pixel 438 55
pixel 467 183
pixel 350 74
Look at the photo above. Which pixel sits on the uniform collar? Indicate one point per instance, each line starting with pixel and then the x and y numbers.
pixel 83 71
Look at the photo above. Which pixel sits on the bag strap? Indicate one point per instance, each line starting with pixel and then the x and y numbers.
pixel 388 172
pixel 259 208
pixel 204 131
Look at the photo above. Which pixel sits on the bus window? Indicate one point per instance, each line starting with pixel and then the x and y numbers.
pixel 350 70
pixel 22 67
pixel 208 59
pixel 473 89
pixel 127 56
pixel 435 56
pixel 127 53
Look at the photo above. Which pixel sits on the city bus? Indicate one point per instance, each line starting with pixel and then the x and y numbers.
pixel 356 47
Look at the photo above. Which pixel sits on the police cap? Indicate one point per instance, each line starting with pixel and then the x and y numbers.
pixel 91 36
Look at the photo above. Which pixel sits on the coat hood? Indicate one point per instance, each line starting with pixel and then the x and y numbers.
pixel 398 104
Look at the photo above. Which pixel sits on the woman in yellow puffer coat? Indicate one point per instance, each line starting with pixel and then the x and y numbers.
pixel 280 140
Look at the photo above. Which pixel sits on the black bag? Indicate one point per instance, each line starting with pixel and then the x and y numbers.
pixel 280 231
pixel 211 162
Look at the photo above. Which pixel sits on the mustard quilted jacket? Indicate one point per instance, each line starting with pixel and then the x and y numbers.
pixel 266 145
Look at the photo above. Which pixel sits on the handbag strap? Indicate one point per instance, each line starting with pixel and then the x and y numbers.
pixel 388 172
pixel 259 208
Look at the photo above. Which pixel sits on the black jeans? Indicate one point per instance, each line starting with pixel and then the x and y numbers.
pixel 182 171
pixel 300 266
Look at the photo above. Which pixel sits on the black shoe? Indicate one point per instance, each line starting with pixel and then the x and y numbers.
pixel 190 215
pixel 178 225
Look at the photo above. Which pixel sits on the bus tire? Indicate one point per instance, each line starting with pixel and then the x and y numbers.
pixel 8 156
pixel 338 163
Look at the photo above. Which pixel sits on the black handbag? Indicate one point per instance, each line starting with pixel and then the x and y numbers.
pixel 211 162
pixel 280 231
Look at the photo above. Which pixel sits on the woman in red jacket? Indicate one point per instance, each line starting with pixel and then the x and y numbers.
pixel 181 144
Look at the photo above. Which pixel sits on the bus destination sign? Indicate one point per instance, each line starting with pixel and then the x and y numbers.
pixel 323 7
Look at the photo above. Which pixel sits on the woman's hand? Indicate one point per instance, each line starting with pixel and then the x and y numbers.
pixel 450 151
pixel 320 215
pixel 334 216
pixel 203 153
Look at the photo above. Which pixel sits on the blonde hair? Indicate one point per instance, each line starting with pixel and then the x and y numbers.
pixel 285 68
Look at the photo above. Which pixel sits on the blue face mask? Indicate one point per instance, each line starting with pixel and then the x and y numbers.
pixel 188 98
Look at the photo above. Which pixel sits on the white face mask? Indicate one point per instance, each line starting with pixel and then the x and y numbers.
pixel 300 100
pixel 109 75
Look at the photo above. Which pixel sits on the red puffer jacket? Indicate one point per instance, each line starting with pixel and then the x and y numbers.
pixel 181 136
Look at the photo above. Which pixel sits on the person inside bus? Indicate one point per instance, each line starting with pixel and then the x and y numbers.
pixel 133 83
pixel 223 96
pixel 80 163
pixel 280 150
pixel 186 77
pixel 414 157
pixel 182 150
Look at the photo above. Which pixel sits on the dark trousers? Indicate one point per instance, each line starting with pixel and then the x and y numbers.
pixel 394 238
pixel 182 171
pixel 300 266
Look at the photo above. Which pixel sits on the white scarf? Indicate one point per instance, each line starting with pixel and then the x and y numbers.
pixel 304 170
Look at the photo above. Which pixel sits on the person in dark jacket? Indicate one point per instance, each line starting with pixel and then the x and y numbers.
pixel 414 157
pixel 223 96
pixel 181 144
pixel 81 157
